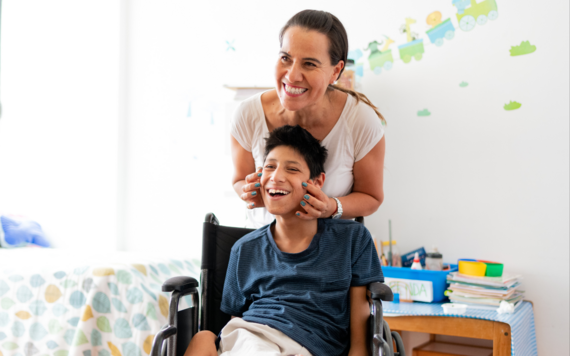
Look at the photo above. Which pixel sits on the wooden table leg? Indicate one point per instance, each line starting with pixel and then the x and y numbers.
pixel 501 339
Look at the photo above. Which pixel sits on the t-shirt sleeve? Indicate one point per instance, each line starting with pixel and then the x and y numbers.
pixel 367 130
pixel 365 264
pixel 233 301
pixel 242 126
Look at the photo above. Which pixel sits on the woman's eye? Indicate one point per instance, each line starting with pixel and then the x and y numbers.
pixel 310 64
pixel 284 58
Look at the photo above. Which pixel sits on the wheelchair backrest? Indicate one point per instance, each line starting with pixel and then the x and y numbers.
pixel 217 242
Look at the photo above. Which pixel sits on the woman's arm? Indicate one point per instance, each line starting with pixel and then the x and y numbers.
pixel 367 191
pixel 359 313
pixel 245 176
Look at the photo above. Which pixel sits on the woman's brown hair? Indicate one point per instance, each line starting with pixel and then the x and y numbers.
pixel 330 26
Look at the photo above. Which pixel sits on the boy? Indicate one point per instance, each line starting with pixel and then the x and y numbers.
pixel 295 287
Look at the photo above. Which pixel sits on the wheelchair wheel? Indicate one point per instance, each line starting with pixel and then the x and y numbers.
pixel 388 337
pixel 399 344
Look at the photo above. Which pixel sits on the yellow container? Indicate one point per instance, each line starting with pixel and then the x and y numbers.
pixel 472 268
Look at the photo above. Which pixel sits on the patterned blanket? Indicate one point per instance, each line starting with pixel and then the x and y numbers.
pixel 61 303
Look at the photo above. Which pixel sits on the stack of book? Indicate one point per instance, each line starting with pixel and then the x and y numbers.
pixel 484 290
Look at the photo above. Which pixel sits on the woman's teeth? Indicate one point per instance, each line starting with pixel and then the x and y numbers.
pixel 294 90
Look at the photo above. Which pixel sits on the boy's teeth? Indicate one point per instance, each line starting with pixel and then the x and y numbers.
pixel 274 191
pixel 295 90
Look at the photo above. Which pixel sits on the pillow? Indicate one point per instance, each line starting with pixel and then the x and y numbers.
pixel 19 232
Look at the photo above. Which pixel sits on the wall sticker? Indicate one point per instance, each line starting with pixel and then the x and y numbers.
pixel 471 13
pixel 415 47
pixel 424 112
pixel 524 48
pixel 439 30
pixel 512 105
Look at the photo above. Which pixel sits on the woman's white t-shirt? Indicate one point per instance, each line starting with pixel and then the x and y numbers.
pixel 356 132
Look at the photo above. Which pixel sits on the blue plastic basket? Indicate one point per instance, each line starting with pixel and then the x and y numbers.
pixel 438 278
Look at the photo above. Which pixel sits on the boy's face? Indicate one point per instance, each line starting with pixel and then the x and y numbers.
pixel 284 172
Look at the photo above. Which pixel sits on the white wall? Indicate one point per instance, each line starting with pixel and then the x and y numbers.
pixel 474 179
pixel 58 130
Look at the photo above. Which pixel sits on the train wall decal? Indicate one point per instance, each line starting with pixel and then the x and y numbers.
pixel 469 14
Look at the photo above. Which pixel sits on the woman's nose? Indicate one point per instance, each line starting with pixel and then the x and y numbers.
pixel 294 74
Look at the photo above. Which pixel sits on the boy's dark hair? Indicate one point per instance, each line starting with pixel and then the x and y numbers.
pixel 301 141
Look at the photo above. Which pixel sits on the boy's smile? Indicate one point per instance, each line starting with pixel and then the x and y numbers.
pixel 275 194
pixel 284 172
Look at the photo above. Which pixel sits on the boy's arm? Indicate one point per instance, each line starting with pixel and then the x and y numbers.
pixel 359 314
pixel 233 300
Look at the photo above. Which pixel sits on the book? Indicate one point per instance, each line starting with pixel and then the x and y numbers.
pixel 485 300
pixel 507 280
pixel 482 291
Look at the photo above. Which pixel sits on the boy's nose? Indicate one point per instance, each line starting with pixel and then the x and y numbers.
pixel 278 175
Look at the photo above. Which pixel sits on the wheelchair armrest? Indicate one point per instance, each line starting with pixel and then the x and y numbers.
pixel 159 338
pixel 181 284
pixel 380 291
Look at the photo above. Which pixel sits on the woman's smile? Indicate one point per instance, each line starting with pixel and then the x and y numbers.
pixel 291 90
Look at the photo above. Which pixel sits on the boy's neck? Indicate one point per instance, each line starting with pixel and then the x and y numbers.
pixel 293 235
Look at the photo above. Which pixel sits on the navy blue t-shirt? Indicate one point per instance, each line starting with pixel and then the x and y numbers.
pixel 304 295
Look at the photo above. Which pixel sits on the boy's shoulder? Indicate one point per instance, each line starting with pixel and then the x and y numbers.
pixel 345 231
pixel 343 225
pixel 252 238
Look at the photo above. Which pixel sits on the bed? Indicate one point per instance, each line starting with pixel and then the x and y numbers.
pixel 60 303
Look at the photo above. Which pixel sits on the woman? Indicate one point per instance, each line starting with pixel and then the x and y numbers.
pixel 314 48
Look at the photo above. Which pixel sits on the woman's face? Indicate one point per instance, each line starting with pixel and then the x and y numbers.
pixel 304 70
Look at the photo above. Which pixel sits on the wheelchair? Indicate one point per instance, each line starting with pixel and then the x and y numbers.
pixel 217 242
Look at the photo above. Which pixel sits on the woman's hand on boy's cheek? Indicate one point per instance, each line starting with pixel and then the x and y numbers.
pixel 252 190
pixel 315 203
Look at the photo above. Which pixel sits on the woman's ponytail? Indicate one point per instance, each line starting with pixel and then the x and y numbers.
pixel 359 97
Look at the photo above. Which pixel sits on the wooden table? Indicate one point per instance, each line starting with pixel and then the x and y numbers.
pixel 497 331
